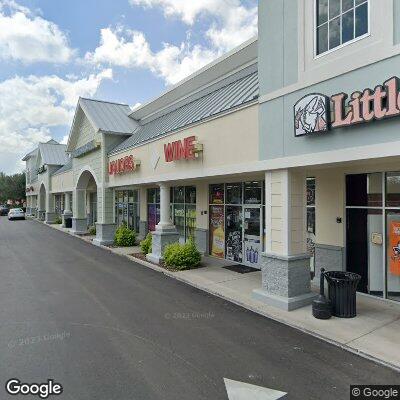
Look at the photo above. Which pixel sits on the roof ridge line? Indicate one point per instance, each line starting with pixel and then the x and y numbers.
pixel 105 101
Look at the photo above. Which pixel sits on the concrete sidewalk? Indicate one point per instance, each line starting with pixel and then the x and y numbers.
pixel 374 333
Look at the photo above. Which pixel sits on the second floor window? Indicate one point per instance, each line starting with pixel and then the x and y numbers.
pixel 339 22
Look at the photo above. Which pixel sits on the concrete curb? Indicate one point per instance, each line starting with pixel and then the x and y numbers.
pixel 175 275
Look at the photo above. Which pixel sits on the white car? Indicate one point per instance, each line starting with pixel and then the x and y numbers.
pixel 16 213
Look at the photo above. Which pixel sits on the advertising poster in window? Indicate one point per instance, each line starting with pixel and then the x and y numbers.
pixel 234 248
pixel 153 217
pixel 252 251
pixel 217 233
pixel 394 250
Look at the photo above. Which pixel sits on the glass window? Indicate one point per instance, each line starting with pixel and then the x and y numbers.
pixel 322 39
pixel 393 189
pixel 234 193
pixel 339 22
pixel 183 211
pixel 334 8
pixel 310 191
pixel 253 192
pixel 217 194
pixel 348 26
pixel 347 5
pixel 190 195
pixel 153 196
pixel 361 20
pixel 364 190
pixel 179 219
pixel 310 236
pixel 322 11
pixel 190 221
pixel 179 194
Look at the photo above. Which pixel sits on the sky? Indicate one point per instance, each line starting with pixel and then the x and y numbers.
pixel 127 51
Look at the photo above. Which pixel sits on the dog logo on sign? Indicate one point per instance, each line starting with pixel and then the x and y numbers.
pixel 311 114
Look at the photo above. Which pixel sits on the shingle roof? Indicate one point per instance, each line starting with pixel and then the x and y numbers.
pixel 237 93
pixel 67 167
pixel 53 154
pixel 108 117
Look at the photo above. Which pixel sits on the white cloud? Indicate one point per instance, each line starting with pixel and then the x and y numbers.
pixel 31 105
pixel 233 23
pixel 30 38
pixel 187 10
pixel 130 49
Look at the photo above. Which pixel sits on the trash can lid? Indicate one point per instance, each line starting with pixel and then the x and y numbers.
pixel 342 276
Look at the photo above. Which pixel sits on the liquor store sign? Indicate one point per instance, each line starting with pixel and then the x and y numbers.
pixel 319 113
pixel 123 165
pixel 186 149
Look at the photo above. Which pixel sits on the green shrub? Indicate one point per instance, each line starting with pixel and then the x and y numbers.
pixel 92 231
pixel 58 221
pixel 146 244
pixel 182 256
pixel 125 237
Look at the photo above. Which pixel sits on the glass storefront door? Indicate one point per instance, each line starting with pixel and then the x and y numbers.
pixel 234 234
pixel 373 232
pixel 183 211
pixel 127 209
pixel 236 221
pixel 393 255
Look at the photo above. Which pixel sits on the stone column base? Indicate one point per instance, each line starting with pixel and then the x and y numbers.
pixel 50 218
pixel 162 238
pixel 286 282
pixel 66 215
pixel 79 226
pixel 105 234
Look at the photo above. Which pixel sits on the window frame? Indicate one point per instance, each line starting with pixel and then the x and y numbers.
pixel 356 39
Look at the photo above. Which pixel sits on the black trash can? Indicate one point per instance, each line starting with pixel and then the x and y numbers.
pixel 68 222
pixel 342 288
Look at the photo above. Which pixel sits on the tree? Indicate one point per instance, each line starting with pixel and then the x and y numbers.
pixel 12 187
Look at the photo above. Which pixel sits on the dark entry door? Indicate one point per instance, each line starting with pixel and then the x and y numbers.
pixel 357 245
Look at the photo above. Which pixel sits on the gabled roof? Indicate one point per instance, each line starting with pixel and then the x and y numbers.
pixel 234 94
pixel 33 153
pixel 65 168
pixel 53 153
pixel 108 117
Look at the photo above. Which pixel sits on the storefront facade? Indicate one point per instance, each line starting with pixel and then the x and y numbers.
pixel 337 113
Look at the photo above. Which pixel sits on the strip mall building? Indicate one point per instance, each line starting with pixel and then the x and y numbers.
pixel 288 163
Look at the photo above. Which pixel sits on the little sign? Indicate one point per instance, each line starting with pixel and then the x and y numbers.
pixel 312 113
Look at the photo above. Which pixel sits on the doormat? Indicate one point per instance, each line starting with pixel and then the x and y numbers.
pixel 241 269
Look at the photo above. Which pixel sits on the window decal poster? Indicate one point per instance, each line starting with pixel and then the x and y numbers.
pixel 394 250
pixel 217 231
